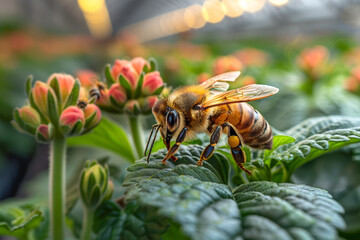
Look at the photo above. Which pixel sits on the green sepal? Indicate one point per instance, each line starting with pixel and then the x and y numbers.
pixel 65 129
pixel 54 84
pixel 28 85
pixel 74 95
pixel 76 130
pixel 109 79
pixel 158 91
pixel 21 124
pixel 139 86
pixel 52 109
pixel 126 85
pixel 44 119
pixel 153 66
pixel 89 120
pixel 40 138
pixel 82 193
pixel 95 196
pixel 116 104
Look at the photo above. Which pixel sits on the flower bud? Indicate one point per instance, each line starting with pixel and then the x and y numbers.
pixel 247 80
pixel 44 133
pixel 150 102
pixel 125 68
pixel 132 106
pixel 117 92
pixel 252 57
pixel 152 81
pixel 226 64
pixel 139 63
pixel 39 95
pixel 312 60
pixel 202 77
pixel 30 116
pixel 87 78
pixel 66 83
pixel 92 116
pixel 95 186
pixel 72 119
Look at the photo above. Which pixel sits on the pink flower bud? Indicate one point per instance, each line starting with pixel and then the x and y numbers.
pixel 252 57
pixel 351 84
pixel 151 101
pixel 152 81
pixel 125 68
pixel 226 64
pixel 313 59
pixel 66 84
pixel 39 93
pixel 104 99
pixel 139 63
pixel 202 77
pixel 87 78
pixel 89 111
pixel 44 131
pixel 70 116
pixel 30 116
pixel 247 80
pixel 118 93
pixel 130 105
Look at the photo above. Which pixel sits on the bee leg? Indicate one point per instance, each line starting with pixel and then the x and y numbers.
pixel 168 147
pixel 208 151
pixel 235 142
pixel 175 147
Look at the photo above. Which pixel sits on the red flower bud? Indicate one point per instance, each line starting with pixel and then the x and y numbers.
pixel 30 116
pixel 313 59
pixel 130 105
pixel 118 93
pixel 44 133
pixel 139 63
pixel 125 68
pixel 152 81
pixel 70 116
pixel 151 101
pixel 89 111
pixel 66 84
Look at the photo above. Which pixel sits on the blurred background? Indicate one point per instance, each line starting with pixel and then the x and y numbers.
pixel 309 49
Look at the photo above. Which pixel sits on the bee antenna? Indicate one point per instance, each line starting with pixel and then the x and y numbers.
pixel 157 126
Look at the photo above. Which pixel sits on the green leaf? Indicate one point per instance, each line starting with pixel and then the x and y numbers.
pixel 159 90
pixel 316 146
pixel 139 86
pixel 52 109
pixel 126 85
pixel 74 94
pixel 214 170
pixel 109 79
pixel 278 141
pixel 28 85
pixel 106 135
pixel 18 221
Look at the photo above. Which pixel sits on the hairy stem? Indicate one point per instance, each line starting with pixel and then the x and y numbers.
pixel 57 187
pixel 88 220
pixel 137 134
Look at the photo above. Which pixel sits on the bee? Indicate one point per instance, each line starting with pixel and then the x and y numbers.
pixel 97 91
pixel 82 103
pixel 210 108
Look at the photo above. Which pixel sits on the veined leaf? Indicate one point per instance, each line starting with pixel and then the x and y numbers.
pixel 18 221
pixel 106 135
pixel 315 146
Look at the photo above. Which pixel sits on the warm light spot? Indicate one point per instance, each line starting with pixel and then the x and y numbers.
pixel 212 11
pixel 91 6
pixel 278 2
pixel 178 21
pixel 165 25
pixel 252 5
pixel 232 8
pixel 193 16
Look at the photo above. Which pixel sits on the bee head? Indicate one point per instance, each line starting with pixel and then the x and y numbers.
pixel 168 118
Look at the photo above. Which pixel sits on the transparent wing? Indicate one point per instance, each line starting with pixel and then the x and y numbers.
pixel 219 82
pixel 245 94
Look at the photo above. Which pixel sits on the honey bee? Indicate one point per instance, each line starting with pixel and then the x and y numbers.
pixel 210 108
pixel 96 92
pixel 82 103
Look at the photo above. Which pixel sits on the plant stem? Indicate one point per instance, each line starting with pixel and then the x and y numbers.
pixel 57 187
pixel 137 134
pixel 88 220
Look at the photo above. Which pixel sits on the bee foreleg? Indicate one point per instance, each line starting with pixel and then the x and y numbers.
pixel 175 147
pixel 235 141
pixel 168 147
pixel 208 151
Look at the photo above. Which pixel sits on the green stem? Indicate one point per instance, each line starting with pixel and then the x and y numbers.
pixel 88 220
pixel 137 134
pixel 57 187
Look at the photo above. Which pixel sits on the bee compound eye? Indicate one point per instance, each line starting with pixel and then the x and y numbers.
pixel 172 121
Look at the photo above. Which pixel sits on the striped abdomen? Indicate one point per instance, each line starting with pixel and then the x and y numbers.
pixel 252 126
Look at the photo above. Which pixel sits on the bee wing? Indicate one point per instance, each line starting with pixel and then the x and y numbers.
pixel 219 82
pixel 245 94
